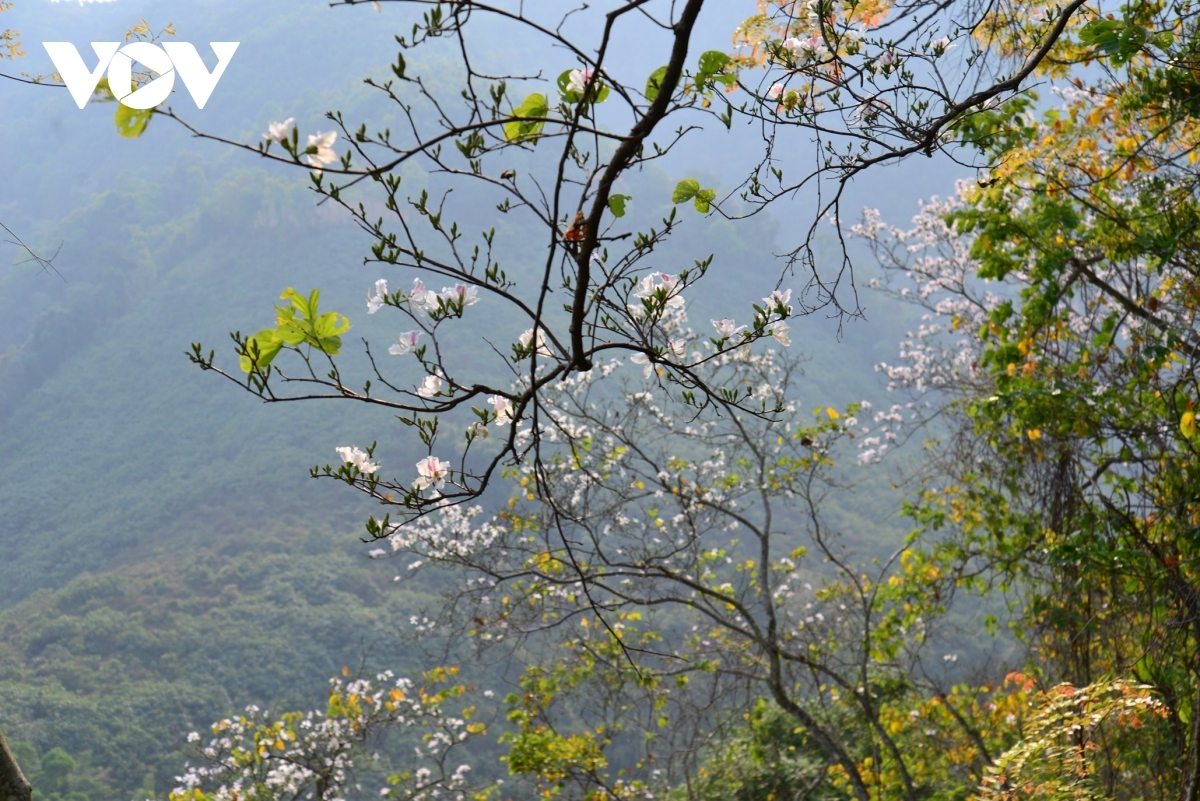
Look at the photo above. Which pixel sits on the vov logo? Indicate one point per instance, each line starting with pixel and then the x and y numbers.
pixel 165 59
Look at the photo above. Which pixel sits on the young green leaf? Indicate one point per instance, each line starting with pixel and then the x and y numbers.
pixel 654 83
pixel 520 130
pixel 616 204
pixel 685 190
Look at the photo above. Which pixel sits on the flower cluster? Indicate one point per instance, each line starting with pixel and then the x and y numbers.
pixel 313 755
pixel 357 458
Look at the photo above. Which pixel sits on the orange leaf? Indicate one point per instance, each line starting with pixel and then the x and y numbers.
pixel 578 229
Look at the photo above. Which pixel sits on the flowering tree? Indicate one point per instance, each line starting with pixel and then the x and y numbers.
pixel 578 148
pixel 629 493
pixel 315 755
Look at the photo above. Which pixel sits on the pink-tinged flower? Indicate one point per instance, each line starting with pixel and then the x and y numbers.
pixel 375 302
pixel 941 45
pixel 526 341
pixel 421 299
pixel 578 81
pixel 323 142
pixel 647 288
pixel 811 48
pixel 280 131
pixel 868 113
pixel 431 472
pixel 406 344
pixel 430 387
pixel 503 408
pixel 887 59
pixel 726 329
pixel 359 458
pixel 780 332
pixel 671 284
pixel 775 91
pixel 461 295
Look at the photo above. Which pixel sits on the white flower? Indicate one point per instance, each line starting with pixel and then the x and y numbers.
pixel 503 408
pixel 777 299
pixel 477 429
pixel 671 284
pixel 647 288
pixel 422 299
pixel 869 112
pixel 677 347
pixel 406 344
pixel 375 302
pixel 431 386
pixel 539 345
pixel 280 131
pixel 780 332
pixel 579 80
pixel 726 329
pixel 431 472
pixel 323 142
pixel 805 49
pixel 941 45
pixel 643 359
pixel 359 458
pixel 460 294
pixel 775 91
pixel 886 60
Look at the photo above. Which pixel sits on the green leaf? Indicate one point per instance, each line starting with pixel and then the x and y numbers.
pixel 712 62
pixel 597 92
pixel 131 122
pixel 685 190
pixel 616 204
pixel 105 91
pixel 703 200
pixel 266 345
pixel 654 83
pixel 1120 40
pixel 518 130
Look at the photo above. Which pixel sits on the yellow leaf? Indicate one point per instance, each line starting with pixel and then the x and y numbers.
pixel 345 671
pixel 1188 424
pixel 832 412
pixel 1034 433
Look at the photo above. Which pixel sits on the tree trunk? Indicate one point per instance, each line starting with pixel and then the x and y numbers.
pixel 13 785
